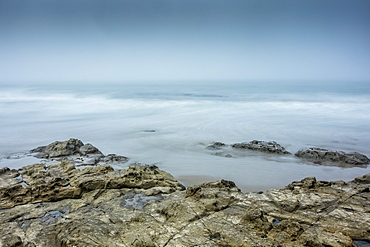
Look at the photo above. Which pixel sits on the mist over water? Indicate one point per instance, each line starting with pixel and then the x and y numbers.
pixel 171 124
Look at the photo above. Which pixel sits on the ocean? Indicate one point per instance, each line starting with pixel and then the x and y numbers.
pixel 171 124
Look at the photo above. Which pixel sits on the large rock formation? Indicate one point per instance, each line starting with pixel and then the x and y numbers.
pixel 318 155
pixel 60 205
pixel 144 206
pixel 39 183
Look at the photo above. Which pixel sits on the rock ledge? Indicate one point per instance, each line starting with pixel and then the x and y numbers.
pixel 60 205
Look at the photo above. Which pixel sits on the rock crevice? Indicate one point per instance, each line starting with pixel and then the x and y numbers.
pixel 145 206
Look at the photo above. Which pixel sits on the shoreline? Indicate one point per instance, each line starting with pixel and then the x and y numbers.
pixel 229 158
pixel 62 205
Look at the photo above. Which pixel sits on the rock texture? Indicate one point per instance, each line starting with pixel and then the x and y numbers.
pixel 76 152
pixel 60 205
pixel 39 183
pixel 144 206
pixel 318 154
pixel 263 146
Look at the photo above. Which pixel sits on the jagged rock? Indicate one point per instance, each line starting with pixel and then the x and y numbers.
pixel 39 183
pixel 89 149
pixel 318 154
pixel 270 147
pixel 214 196
pixel 76 152
pixel 59 205
pixel 59 149
pixel 210 214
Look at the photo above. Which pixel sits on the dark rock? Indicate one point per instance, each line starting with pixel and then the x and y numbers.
pixel 317 155
pixel 221 154
pixel 263 146
pixel 89 149
pixel 112 158
pixel 216 145
pixel 4 170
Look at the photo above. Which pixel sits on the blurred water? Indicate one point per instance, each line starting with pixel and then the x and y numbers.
pixel 171 124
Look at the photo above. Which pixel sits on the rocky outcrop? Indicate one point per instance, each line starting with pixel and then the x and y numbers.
pixel 144 206
pixel 60 149
pixel 318 154
pixel 39 183
pixel 60 205
pixel 76 152
pixel 263 146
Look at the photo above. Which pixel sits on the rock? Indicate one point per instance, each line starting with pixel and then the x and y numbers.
pixel 63 181
pixel 270 147
pixel 78 153
pixel 214 196
pixel 59 149
pixel 257 219
pixel 210 214
pixel 59 205
pixel 365 179
pixel 112 158
pixel 216 145
pixel 317 155
pixel 89 149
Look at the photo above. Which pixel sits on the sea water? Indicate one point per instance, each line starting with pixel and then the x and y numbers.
pixel 171 124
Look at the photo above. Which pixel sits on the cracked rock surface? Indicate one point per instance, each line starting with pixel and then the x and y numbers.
pixel 144 206
pixel 59 205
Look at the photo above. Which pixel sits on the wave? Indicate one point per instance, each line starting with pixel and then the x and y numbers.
pixel 181 122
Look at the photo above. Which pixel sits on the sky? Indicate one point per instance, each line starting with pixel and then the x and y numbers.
pixel 175 40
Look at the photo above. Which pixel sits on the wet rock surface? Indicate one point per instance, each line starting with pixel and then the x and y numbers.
pixel 76 152
pixel 319 154
pixel 263 146
pixel 60 205
pixel 216 146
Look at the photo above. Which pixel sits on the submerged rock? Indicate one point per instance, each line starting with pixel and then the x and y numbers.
pixel 216 145
pixel 263 146
pixel 319 154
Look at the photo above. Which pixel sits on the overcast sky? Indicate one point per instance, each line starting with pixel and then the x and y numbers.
pixel 155 40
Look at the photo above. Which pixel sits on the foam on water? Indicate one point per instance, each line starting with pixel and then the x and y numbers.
pixel 183 119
